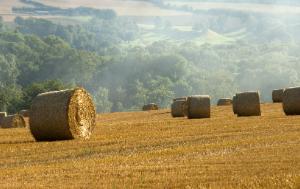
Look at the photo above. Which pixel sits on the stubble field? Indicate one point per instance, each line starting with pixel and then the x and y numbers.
pixel 151 149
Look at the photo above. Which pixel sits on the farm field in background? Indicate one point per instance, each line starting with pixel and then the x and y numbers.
pixel 248 7
pixel 144 13
pixel 151 149
pixel 6 9
pixel 123 8
pixel 128 8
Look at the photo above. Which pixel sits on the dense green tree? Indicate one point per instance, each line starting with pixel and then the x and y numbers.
pixel 1 24
pixel 122 75
pixel 101 99
pixel 9 90
pixel 31 91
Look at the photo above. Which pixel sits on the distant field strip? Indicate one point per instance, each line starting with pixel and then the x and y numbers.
pixel 151 149
pixel 6 9
pixel 128 8
pixel 252 7
pixel 123 8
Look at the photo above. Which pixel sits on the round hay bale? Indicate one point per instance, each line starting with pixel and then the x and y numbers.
pixel 13 121
pixel 24 113
pixel 224 102
pixel 177 108
pixel 150 106
pixel 185 108
pixel 2 115
pixel 179 99
pixel 290 101
pixel 248 104
pixel 62 115
pixel 198 106
pixel 234 104
pixel 277 95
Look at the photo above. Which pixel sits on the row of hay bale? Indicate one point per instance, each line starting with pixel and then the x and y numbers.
pixel 290 98
pixel 57 115
pixel 290 101
pixel 198 106
pixel 193 107
pixel 248 104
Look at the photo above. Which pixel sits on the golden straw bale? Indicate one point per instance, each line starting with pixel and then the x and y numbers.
pixel 247 104
pixel 198 106
pixel 185 108
pixel 62 115
pixel 290 101
pixel 13 121
pixel 277 95
pixel 177 108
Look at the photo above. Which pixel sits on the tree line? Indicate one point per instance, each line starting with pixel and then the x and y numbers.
pixel 38 55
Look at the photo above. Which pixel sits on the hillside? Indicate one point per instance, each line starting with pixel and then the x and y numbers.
pixel 151 149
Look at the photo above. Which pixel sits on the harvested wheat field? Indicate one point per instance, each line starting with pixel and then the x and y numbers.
pixel 152 149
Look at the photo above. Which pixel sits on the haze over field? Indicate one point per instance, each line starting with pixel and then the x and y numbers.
pixel 129 53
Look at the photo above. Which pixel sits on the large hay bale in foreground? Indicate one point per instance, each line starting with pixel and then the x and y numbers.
pixel 62 115
pixel 24 113
pixel 2 115
pixel 224 102
pixel 277 95
pixel 234 104
pixel 247 104
pixel 13 121
pixel 177 108
pixel 150 106
pixel 290 101
pixel 198 106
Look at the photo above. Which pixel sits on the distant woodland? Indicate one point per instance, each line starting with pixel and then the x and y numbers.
pixel 125 64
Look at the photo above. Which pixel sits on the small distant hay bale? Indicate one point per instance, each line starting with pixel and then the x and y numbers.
pixel 198 106
pixel 24 113
pixel 150 106
pixel 234 104
pixel 247 104
pixel 2 115
pixel 177 108
pixel 13 121
pixel 224 102
pixel 62 115
pixel 290 101
pixel 277 95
